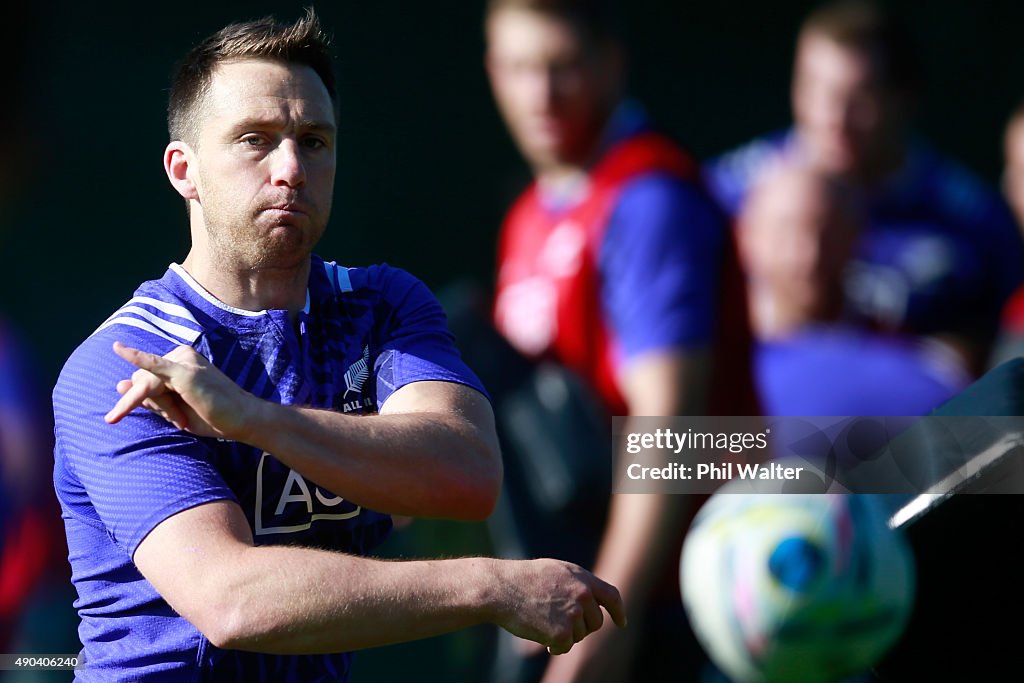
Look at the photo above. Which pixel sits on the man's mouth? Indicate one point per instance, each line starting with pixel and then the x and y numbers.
pixel 286 210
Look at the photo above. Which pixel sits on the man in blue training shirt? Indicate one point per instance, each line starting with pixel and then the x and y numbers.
pixel 281 408
pixel 940 253
pixel 797 232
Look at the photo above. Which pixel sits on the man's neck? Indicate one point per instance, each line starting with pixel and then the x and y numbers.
pixel 250 289
pixel 881 166
pixel 565 183
pixel 774 316
pixel 568 175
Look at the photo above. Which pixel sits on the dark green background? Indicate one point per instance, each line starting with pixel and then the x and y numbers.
pixel 425 167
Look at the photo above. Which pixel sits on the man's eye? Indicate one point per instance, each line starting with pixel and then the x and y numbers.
pixel 253 140
pixel 314 143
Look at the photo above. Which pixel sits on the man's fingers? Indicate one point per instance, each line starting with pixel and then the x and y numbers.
pixel 167 407
pixel 130 400
pixel 143 384
pixel 579 630
pixel 608 595
pixel 146 361
pixel 592 616
pixel 528 648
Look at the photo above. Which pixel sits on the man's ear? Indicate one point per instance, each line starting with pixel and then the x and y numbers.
pixel 178 162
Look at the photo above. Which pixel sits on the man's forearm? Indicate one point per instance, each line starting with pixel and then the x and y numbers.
pixel 427 465
pixel 642 528
pixel 299 601
pixel 292 600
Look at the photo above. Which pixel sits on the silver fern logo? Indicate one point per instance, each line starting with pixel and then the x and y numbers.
pixel 357 374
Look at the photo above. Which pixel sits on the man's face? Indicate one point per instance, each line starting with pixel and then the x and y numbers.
pixel 1013 171
pixel 796 240
pixel 845 115
pixel 553 92
pixel 266 162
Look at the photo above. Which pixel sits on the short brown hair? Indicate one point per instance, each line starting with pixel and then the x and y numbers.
pixel 865 26
pixel 592 19
pixel 303 42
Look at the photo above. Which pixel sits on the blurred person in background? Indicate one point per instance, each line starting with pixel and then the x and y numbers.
pixel 797 234
pixel 33 556
pixel 1013 163
pixel 939 253
pixel 1010 343
pixel 615 264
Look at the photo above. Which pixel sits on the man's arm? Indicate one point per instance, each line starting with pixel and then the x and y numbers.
pixel 293 600
pixel 661 269
pixel 432 452
pixel 641 528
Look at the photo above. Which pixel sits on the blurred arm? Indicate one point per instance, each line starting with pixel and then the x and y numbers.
pixel 641 530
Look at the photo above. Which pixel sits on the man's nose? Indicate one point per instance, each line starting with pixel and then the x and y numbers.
pixel 538 88
pixel 287 167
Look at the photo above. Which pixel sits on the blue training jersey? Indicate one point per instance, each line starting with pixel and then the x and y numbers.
pixel 660 255
pixel 940 251
pixel 660 266
pixel 364 333
pixel 840 370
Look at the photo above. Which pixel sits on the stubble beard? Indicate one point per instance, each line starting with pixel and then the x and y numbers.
pixel 248 243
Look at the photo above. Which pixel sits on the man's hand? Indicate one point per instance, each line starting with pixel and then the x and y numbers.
pixel 185 389
pixel 604 657
pixel 555 603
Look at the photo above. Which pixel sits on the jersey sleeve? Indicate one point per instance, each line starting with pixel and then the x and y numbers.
pixel 132 475
pixel 726 183
pixel 659 265
pixel 729 176
pixel 415 342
